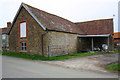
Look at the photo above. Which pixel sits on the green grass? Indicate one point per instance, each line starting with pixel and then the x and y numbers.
pixel 113 67
pixel 38 57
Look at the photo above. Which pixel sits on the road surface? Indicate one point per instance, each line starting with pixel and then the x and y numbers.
pixel 22 68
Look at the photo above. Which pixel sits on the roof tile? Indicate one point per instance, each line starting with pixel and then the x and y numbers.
pixel 53 22
pixel 97 27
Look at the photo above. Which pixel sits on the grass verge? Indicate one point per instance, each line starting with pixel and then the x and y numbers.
pixel 38 57
pixel 113 67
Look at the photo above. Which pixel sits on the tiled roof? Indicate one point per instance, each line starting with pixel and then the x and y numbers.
pixel 97 27
pixel 53 22
pixel 116 35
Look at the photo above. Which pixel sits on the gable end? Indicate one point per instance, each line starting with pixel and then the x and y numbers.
pixel 34 17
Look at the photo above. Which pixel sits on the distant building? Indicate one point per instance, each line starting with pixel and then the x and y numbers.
pixel 116 40
pixel 5 41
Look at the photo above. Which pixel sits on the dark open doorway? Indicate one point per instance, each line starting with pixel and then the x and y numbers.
pixel 92 43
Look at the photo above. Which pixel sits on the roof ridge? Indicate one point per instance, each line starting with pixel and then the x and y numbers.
pixel 95 20
pixel 26 6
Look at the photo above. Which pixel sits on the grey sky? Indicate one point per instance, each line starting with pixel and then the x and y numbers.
pixel 73 10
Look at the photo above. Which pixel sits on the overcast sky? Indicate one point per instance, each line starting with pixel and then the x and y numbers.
pixel 73 10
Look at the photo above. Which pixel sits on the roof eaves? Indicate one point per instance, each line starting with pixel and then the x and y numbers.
pixel 33 16
pixel 102 35
pixel 63 31
pixel 95 20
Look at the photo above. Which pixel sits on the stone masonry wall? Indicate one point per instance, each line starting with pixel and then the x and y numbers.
pixel 60 43
pixel 34 39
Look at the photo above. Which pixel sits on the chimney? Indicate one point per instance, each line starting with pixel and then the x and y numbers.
pixel 8 24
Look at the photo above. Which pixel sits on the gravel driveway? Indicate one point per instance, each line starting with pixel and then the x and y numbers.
pixel 94 63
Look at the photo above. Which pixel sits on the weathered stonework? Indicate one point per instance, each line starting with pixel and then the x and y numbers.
pixel 34 34
pixel 60 43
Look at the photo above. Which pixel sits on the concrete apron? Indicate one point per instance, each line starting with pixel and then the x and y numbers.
pixel 91 63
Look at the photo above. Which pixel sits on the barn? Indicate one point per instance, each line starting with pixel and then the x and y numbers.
pixel 35 31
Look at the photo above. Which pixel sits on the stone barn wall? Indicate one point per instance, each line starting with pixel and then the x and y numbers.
pixel 60 43
pixel 34 38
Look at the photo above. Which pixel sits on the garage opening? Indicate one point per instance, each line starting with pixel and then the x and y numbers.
pixel 92 42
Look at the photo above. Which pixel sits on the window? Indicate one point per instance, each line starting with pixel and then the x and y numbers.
pixel 22 34
pixel 23 46
pixel 3 36
pixel 23 29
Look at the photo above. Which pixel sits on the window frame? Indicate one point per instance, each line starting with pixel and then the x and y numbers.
pixel 19 22
pixel 19 46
